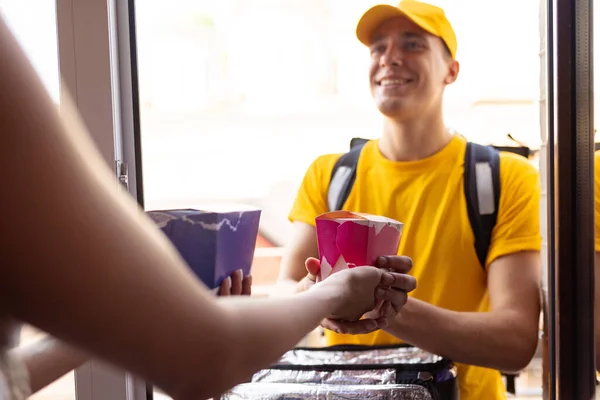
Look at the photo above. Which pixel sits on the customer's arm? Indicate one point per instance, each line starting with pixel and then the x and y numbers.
pixel 48 359
pixel 82 262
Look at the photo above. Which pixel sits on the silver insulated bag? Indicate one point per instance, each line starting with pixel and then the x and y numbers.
pixel 397 372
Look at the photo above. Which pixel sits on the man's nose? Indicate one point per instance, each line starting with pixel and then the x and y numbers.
pixel 392 57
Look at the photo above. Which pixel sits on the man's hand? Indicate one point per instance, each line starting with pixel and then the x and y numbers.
pixel 236 285
pixel 313 266
pixel 387 309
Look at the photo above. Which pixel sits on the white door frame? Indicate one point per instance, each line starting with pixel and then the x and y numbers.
pixel 96 71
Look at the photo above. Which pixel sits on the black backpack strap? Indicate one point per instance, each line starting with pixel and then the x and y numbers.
pixel 482 192
pixel 342 177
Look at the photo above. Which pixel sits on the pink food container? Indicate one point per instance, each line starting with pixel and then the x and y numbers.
pixel 347 239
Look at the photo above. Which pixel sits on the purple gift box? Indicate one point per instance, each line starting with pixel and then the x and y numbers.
pixel 214 241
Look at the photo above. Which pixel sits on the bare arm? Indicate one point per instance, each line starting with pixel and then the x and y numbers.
pixel 504 338
pixel 82 262
pixel 597 311
pixel 49 359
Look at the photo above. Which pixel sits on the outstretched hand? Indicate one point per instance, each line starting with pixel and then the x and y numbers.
pixel 391 297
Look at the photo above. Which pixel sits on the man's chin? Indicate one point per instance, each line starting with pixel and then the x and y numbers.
pixel 397 111
pixel 395 107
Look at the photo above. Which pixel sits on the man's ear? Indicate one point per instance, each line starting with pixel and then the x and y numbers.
pixel 453 69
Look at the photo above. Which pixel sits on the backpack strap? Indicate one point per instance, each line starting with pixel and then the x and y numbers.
pixel 482 192
pixel 342 177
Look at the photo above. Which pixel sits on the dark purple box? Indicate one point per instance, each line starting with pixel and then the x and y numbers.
pixel 214 242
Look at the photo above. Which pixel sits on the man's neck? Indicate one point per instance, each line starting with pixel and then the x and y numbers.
pixel 413 140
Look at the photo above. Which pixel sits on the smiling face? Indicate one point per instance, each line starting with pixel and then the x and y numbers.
pixel 409 69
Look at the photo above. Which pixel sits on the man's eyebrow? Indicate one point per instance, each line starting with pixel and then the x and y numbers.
pixel 377 39
pixel 412 35
pixel 404 35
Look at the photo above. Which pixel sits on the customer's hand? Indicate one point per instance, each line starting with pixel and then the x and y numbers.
pixel 390 301
pixel 236 285
pixel 355 290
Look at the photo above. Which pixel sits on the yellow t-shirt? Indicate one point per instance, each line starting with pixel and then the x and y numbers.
pixel 427 195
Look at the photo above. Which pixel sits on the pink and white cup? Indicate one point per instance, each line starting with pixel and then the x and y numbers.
pixel 347 239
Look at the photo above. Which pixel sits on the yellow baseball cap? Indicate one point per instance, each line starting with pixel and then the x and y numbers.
pixel 429 17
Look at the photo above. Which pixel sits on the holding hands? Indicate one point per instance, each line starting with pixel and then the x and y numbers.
pixel 375 293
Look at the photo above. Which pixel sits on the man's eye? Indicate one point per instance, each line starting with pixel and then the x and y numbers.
pixel 413 45
pixel 377 49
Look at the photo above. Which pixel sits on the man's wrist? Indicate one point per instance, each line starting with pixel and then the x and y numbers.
pixel 398 324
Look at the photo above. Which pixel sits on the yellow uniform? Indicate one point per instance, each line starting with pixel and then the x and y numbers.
pixel 427 195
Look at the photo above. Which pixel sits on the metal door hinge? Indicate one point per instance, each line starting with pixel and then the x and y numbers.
pixel 123 174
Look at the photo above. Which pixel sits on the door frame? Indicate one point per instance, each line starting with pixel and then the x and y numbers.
pixel 97 62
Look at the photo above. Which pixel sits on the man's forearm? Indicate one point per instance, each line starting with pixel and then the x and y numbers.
pixel 498 340
pixel 47 360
